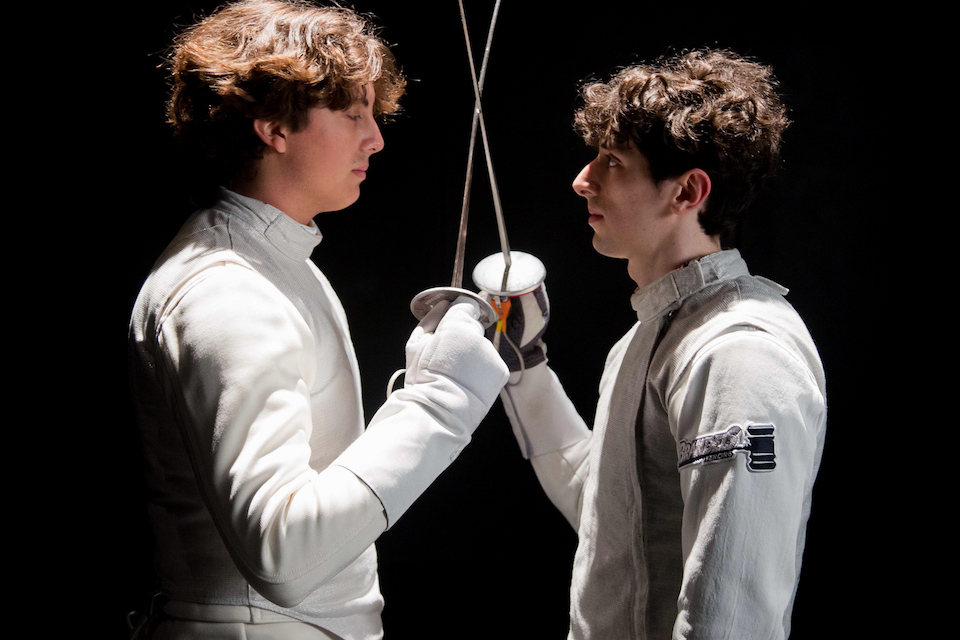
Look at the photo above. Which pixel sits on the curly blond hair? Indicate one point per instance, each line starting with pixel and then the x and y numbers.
pixel 707 109
pixel 271 60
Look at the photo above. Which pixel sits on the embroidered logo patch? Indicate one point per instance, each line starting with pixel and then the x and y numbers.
pixel 756 441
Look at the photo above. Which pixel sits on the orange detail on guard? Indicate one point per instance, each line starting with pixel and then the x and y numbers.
pixel 503 310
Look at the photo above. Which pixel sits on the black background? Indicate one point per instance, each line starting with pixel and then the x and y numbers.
pixel 482 553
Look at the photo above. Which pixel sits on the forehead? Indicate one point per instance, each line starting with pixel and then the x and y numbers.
pixel 367 95
pixel 362 95
pixel 616 146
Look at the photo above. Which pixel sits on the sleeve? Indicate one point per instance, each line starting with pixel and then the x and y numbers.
pixel 246 389
pixel 452 379
pixel 552 435
pixel 749 416
pixel 241 358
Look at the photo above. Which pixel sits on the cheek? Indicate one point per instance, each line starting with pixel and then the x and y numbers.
pixel 318 159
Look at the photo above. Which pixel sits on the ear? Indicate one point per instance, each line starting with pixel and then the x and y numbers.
pixel 273 134
pixel 694 189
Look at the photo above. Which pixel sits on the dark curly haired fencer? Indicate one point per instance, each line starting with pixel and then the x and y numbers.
pixel 270 60
pixel 707 109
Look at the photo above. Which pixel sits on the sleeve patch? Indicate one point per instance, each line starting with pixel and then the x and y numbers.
pixel 756 441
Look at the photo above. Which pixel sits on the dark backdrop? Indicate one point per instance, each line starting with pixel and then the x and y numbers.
pixel 483 545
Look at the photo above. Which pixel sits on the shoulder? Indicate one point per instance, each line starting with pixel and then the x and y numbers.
pixel 203 280
pixel 745 323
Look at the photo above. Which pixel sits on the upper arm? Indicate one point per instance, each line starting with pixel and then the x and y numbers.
pixel 748 417
pixel 241 361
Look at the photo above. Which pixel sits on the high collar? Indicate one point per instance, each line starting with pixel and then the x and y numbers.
pixel 291 238
pixel 668 292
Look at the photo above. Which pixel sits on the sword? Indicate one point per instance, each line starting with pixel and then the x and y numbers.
pixel 533 271
pixel 477 113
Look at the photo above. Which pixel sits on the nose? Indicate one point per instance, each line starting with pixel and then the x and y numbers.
pixel 582 183
pixel 374 140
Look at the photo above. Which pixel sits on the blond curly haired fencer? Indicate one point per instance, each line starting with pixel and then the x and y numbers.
pixel 707 109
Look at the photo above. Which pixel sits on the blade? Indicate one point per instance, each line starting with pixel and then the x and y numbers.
pixel 478 119
pixel 464 212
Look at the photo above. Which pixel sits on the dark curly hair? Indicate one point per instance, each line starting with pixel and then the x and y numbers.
pixel 271 60
pixel 706 109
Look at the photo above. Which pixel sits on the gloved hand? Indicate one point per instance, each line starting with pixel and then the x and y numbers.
pixel 453 377
pixel 449 341
pixel 518 334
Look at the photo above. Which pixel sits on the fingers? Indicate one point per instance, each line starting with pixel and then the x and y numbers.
pixel 463 314
pixel 429 322
pixel 462 310
pixel 466 304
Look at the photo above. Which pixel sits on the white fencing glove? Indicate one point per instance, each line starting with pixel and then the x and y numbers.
pixel 518 332
pixel 453 377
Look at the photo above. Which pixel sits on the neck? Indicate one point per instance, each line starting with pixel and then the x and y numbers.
pixel 646 269
pixel 260 190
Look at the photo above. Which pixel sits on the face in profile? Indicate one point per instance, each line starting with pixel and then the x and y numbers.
pixel 626 207
pixel 324 163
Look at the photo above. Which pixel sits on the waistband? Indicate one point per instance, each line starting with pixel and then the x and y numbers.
pixel 222 613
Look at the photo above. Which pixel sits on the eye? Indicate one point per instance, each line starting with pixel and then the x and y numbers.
pixel 612 161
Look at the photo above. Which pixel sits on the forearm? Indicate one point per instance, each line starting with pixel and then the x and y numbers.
pixel 322 527
pixel 247 390
pixel 552 435
pixel 411 440
pixel 422 428
pixel 562 475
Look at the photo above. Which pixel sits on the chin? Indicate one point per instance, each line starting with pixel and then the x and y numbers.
pixel 602 247
pixel 344 204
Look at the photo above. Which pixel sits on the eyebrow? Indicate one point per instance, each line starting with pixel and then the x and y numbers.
pixel 614 151
pixel 364 100
pixel 617 148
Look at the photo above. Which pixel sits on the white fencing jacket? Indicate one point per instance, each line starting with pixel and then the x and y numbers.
pixel 265 489
pixel 692 492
